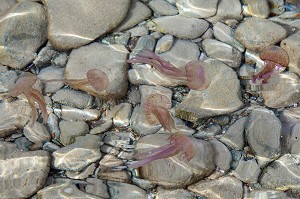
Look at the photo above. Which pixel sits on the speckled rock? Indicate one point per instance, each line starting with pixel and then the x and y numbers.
pixel 263 134
pixel 5 6
pixel 121 190
pixel 247 171
pixel 111 59
pixel 27 33
pixel 221 188
pixel 294 139
pixel 36 133
pixel 257 33
pixel 7 80
pixel 182 173
pixel 179 55
pixel 78 155
pixel 234 136
pixel 137 13
pixel 292 45
pixel 69 97
pixel 22 173
pixel 14 115
pixel 83 22
pixel 97 187
pixel 226 11
pixel 45 56
pixel 282 174
pixel 222 52
pixel 282 90
pixel 162 193
pixel 71 130
pixel 83 174
pixel 162 8
pixel 221 97
pixel 191 28
pixel 197 9
pixel 63 191
pixel 51 73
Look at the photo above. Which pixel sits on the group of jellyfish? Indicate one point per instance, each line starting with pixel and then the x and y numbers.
pixel 156 105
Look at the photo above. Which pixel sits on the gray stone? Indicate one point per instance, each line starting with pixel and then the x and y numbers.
pixel 222 157
pixel 85 173
pixel 288 21
pixel 78 155
pixel 263 134
pixel 162 193
pixel 292 45
pixel 190 28
pixel 22 173
pixel 111 59
pixel 294 139
pixel 7 80
pixel 172 171
pixel 71 130
pixel 226 34
pixel 281 90
pixel 208 132
pixel 222 52
pixel 138 31
pixel 102 128
pixel 74 114
pixel 164 44
pixel 121 114
pixel 234 136
pixel 247 171
pixel 226 11
pixel 60 60
pixel 14 115
pixel 50 147
pixel 221 188
pixel 121 190
pixel 276 6
pixel 142 183
pixel 5 6
pixel 27 33
pixel 221 97
pixel 179 55
pixel 137 13
pixel 144 42
pixel 162 8
pixel 45 56
pixel 51 73
pixel 82 23
pixel 257 33
pixel 97 187
pixel 282 174
pixel 258 8
pixel 36 133
pixel 63 191
pixel 197 9
pixel 73 98
pixel 52 125
pixel 265 193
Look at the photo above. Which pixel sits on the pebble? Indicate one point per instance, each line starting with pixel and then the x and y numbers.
pixel 5 6
pixel 221 188
pixel 108 58
pixel 51 72
pixel 208 132
pixel 63 191
pixel 247 171
pixel 97 187
pixel 225 34
pixel 45 56
pixel 221 97
pixel 74 114
pixel 294 139
pixel 78 155
pixel 234 136
pixel 282 90
pixel 162 193
pixel 292 45
pixel 52 125
pixel 85 173
pixel 121 114
pixel 71 130
pixel 179 55
pixel 191 28
pixel 14 115
pixel 142 183
pixel 68 30
pixel 265 193
pixel 121 190
pixel 29 36
pixel 60 60
pixel 257 33
pixel 164 44
pixel 226 11
pixel 282 174
pixel 138 120
pixel 144 42
pixel 258 8
pixel 263 135
pixel 197 9
pixel 162 8
pixel 102 128
pixel 276 6
pixel 73 98
pixel 50 147
pixel 138 31
pixel 7 80
pixel 36 133
pixel 173 172
pixel 23 173
pixel 137 13
pixel 222 52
